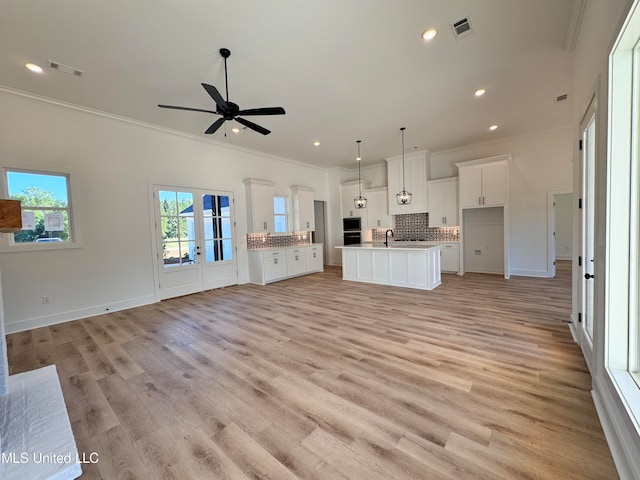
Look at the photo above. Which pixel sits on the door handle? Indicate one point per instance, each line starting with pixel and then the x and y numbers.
pixel 588 276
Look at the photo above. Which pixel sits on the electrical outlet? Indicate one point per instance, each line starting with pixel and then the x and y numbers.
pixel 478 252
pixel 46 300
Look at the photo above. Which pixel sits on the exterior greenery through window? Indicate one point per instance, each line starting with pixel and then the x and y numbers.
pixel 280 213
pixel 45 205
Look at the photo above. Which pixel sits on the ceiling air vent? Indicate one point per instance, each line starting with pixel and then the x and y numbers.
pixel 560 98
pixel 65 69
pixel 462 28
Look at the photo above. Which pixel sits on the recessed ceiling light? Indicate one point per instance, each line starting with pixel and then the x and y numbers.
pixel 493 127
pixel 316 144
pixel 429 34
pixel 479 92
pixel 33 67
pixel 235 130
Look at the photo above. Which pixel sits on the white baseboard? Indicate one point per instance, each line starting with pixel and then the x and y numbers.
pixel 572 329
pixel 45 321
pixel 530 273
pixel 564 257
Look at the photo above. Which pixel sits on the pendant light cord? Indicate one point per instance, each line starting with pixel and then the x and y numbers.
pixel 403 188
pixel 359 158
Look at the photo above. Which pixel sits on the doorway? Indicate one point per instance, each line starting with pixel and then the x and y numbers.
pixel 195 235
pixel 586 255
pixel 560 228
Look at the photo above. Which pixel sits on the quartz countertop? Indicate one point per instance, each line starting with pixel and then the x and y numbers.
pixel 382 246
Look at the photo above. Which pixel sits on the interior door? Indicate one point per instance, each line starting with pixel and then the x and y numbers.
pixel 587 233
pixel 195 240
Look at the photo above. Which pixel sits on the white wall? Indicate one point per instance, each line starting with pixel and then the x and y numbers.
pixel 112 162
pixel 540 162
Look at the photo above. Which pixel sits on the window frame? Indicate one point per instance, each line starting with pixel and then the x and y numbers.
pixel 7 243
pixel 285 215
pixel 622 285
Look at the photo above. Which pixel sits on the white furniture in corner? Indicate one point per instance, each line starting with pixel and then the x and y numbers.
pixel 260 216
pixel 273 264
pixel 416 174
pixel 443 202
pixel 378 208
pixel 484 194
pixel 303 213
pixel 483 183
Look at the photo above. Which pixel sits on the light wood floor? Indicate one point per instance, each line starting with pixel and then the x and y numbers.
pixel 316 378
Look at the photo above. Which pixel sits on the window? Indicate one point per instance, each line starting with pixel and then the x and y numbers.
pixel 281 214
pixel 622 289
pixel 46 206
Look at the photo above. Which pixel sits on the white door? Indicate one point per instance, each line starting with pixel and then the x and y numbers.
pixel 195 235
pixel 587 234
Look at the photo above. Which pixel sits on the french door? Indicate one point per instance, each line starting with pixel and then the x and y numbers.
pixel 195 234
pixel 587 233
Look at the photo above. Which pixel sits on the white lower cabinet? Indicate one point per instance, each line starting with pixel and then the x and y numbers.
pixel 274 265
pixel 450 257
pixel 296 262
pixel 270 265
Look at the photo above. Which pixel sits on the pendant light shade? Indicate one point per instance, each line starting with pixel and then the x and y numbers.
pixel 359 201
pixel 403 197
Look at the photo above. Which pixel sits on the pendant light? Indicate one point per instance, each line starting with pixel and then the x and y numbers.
pixel 359 201
pixel 403 197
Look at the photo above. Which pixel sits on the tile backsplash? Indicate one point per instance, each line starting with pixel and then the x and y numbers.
pixel 267 240
pixel 415 226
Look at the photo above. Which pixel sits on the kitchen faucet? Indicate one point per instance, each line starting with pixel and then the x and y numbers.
pixel 386 237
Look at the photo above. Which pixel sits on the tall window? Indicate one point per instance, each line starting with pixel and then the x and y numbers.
pixel 46 206
pixel 622 294
pixel 281 213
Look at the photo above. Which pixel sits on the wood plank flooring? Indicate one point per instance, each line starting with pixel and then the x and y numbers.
pixel 316 378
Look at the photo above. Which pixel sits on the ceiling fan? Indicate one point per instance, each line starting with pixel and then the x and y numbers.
pixel 230 110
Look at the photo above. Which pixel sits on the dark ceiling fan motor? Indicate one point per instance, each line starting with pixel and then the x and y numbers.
pixel 229 110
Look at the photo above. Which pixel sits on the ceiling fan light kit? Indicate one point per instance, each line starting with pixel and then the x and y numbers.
pixel 229 110
pixel 403 197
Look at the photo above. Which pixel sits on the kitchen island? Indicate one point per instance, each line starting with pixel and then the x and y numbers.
pixel 405 265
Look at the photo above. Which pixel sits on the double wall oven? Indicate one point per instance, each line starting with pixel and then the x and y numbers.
pixel 351 230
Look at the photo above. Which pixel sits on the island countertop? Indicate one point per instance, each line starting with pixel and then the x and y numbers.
pixel 382 246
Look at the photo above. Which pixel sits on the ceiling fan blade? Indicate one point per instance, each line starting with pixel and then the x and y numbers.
pixel 215 126
pixel 253 126
pixel 215 94
pixel 263 111
pixel 187 108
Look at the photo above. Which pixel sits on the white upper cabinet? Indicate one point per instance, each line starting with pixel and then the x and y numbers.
pixel 443 202
pixel 416 173
pixel 259 205
pixel 377 206
pixel 349 191
pixel 483 183
pixel 303 212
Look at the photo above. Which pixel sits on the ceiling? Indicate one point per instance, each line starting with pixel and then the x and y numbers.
pixel 344 70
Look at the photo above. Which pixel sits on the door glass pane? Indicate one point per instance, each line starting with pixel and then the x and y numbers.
pixel 217 228
pixel 177 224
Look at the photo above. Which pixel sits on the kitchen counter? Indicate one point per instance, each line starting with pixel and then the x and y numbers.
pixel 405 265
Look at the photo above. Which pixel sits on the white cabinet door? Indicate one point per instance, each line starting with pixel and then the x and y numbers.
pixel 443 202
pixel 415 182
pixel 450 258
pixel 470 186
pixel 378 211
pixel 315 261
pixel 349 191
pixel 494 184
pixel 303 212
pixel 274 265
pixel 259 205
pixel 296 264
